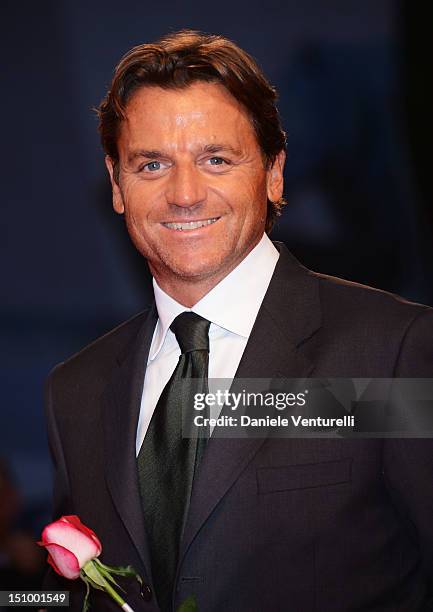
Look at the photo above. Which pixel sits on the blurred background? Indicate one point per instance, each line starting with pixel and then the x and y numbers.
pixel 355 81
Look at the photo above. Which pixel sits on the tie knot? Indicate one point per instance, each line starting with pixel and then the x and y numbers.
pixel 191 331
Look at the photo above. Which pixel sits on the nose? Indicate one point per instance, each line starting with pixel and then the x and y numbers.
pixel 186 186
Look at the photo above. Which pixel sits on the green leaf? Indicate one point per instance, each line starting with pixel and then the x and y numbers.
pixel 118 570
pixel 86 604
pixel 105 572
pixel 92 576
pixel 92 572
pixel 91 583
pixel 189 605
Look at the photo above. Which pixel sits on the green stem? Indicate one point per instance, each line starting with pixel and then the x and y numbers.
pixel 114 595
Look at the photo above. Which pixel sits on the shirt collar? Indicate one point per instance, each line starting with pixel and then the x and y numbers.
pixel 232 304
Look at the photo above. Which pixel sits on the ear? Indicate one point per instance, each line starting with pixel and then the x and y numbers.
pixel 275 179
pixel 117 194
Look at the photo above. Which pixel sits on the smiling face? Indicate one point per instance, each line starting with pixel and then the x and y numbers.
pixel 193 185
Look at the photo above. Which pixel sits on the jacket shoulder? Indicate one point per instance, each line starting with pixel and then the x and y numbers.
pixel 347 296
pixel 343 300
pixel 378 323
pixel 370 332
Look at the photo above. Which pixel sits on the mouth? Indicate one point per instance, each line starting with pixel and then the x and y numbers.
pixel 191 225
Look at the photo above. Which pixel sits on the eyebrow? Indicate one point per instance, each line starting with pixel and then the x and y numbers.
pixel 155 154
pixel 216 148
pixel 148 154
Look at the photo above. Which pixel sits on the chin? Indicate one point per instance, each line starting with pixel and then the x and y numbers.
pixel 194 273
pixel 196 270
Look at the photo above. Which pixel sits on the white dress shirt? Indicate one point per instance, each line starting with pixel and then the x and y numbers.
pixel 231 307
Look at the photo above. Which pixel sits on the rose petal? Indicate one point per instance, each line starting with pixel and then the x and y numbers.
pixel 64 534
pixel 63 561
pixel 50 560
pixel 74 520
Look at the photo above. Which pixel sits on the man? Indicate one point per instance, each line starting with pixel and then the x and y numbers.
pixel 195 154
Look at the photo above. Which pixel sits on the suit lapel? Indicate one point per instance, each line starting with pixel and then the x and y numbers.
pixel 121 407
pixel 289 315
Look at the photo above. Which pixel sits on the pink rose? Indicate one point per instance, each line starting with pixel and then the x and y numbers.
pixel 70 545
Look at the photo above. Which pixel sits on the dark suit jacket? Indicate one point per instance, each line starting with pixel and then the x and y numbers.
pixel 277 525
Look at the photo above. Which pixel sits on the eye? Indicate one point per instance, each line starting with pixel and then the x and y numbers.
pixel 152 166
pixel 217 164
pixel 217 161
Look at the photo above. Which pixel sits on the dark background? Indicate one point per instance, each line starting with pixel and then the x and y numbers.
pixel 355 84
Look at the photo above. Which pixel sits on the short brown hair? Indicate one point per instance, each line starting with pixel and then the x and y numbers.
pixel 185 57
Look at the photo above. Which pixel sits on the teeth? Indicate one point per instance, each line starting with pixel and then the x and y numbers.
pixel 191 224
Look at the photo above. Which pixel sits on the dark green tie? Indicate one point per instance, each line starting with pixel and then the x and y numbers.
pixel 167 461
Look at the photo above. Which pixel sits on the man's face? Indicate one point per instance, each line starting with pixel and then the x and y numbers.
pixel 193 184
